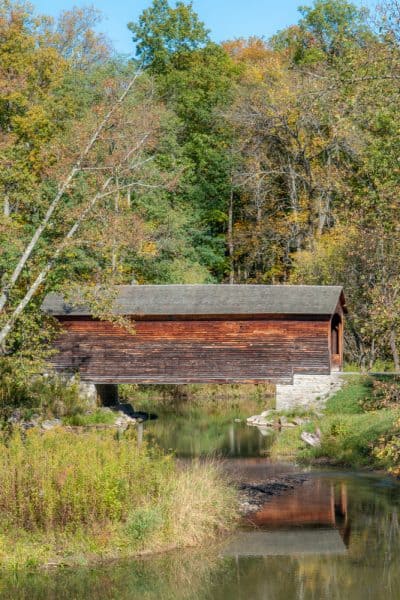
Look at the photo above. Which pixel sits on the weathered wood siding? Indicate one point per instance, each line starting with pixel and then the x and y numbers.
pixel 187 351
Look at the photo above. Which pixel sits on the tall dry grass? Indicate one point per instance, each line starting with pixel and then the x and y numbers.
pixel 103 489
pixel 61 479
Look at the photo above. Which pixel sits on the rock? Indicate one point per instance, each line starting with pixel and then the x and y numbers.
pixel 288 424
pixel 50 424
pixel 252 419
pixel 33 422
pixel 259 421
pixel 123 421
pixel 238 420
pixel 254 495
pixel 15 417
pixel 312 439
pixel 28 425
pixel 128 411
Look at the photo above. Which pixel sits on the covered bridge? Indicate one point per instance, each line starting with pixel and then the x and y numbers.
pixel 204 334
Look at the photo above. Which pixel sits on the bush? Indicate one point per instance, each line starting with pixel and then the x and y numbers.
pixel 350 439
pixel 24 387
pixel 385 393
pixel 387 450
pixel 143 522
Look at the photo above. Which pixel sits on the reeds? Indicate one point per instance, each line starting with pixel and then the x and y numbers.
pixel 101 488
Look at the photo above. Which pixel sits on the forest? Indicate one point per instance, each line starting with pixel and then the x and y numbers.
pixel 251 161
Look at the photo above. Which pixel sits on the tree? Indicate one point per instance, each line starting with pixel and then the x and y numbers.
pixel 93 168
pixel 291 172
pixel 162 32
pixel 196 78
pixel 326 31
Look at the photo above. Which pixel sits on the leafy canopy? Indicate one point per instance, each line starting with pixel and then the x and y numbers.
pixel 163 31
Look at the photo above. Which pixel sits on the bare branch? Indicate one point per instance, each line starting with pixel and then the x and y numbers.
pixel 64 186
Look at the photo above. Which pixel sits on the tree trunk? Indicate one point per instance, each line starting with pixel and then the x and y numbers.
pixel 6 206
pixel 395 352
pixel 294 201
pixel 62 189
pixel 46 270
pixel 230 240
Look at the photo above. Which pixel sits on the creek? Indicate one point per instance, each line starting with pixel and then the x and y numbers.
pixel 336 536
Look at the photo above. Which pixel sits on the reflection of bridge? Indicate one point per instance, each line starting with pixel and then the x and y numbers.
pixel 315 502
pixel 203 334
pixel 284 543
pixel 311 519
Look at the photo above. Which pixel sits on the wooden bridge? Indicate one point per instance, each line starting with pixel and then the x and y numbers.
pixel 204 334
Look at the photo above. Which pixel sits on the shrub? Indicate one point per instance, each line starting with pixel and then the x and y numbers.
pixel 143 522
pixel 350 439
pixel 387 450
pixel 24 387
pixel 385 393
pixel 62 479
pixel 65 495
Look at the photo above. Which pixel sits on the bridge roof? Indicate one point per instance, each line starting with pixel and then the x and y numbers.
pixel 203 300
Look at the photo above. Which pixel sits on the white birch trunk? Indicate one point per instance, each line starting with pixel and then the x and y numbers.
pixel 46 270
pixel 64 186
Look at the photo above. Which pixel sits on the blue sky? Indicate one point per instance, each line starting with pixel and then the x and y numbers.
pixel 226 19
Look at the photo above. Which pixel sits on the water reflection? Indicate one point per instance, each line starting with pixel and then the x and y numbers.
pixel 308 559
pixel 315 503
pixel 310 519
pixel 285 543
pixel 336 537
pixel 199 436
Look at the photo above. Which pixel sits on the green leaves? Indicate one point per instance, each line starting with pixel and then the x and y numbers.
pixel 163 32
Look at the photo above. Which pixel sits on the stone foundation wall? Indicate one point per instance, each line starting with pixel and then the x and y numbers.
pixel 307 391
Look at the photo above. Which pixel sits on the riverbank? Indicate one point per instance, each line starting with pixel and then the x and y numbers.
pixel 74 499
pixel 359 428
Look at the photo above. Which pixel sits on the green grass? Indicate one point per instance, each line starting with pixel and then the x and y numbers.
pixel 287 444
pixel 97 417
pixel 348 399
pixel 379 366
pixel 350 439
pixel 69 498
pixel 350 434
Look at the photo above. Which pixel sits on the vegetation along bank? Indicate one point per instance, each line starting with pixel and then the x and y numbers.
pixel 74 498
pixel 360 427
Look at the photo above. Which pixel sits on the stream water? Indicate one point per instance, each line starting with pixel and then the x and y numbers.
pixel 335 537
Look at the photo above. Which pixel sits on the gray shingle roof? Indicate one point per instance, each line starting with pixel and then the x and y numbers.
pixel 202 300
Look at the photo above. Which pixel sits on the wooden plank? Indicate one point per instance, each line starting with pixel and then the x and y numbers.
pixel 186 351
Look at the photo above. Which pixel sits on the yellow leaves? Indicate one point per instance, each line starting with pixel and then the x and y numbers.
pixel 260 63
pixel 35 122
pixel 149 249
